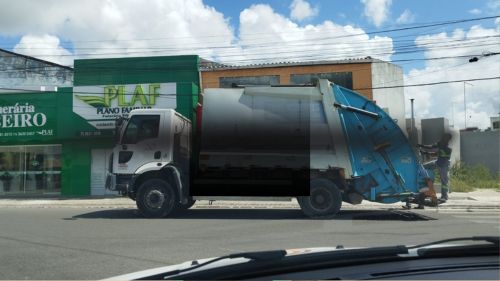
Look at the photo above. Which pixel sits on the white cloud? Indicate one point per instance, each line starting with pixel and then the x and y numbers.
pixel 301 10
pixel 47 47
pixel 115 27
pixel 406 17
pixel 447 100
pixel 281 39
pixel 120 28
pixel 377 11
pixel 475 11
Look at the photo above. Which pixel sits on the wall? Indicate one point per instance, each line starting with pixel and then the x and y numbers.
pixel 61 127
pixel 64 127
pixel 27 72
pixel 388 75
pixel 361 74
pixel 481 148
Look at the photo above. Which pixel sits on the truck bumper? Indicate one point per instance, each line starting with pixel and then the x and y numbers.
pixel 120 183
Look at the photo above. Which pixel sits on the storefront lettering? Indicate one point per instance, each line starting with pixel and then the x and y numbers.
pixel 21 116
pixel 106 110
pixel 119 93
pixel 18 108
pixel 102 104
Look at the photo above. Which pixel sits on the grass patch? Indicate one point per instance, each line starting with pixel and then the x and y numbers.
pixel 465 178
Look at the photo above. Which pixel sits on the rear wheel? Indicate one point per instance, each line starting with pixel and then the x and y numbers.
pixel 325 199
pixel 156 198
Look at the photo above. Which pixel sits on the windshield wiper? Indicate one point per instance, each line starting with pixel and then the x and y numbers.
pixel 490 239
pixel 253 256
pixel 490 248
pixel 263 262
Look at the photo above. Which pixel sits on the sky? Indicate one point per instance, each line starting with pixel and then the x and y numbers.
pixel 429 39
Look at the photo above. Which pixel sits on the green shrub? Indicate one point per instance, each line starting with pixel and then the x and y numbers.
pixel 465 178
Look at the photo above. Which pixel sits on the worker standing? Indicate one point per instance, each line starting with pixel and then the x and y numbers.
pixel 443 162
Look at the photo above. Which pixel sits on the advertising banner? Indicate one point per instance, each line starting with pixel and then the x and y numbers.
pixel 101 105
pixel 25 119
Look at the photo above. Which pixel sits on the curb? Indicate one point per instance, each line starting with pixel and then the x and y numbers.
pixel 289 205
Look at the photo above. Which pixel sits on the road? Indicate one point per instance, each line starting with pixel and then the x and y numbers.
pixel 89 243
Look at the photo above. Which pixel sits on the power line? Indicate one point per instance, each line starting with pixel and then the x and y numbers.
pixel 259 34
pixel 430 84
pixel 235 51
pixel 356 89
pixel 184 49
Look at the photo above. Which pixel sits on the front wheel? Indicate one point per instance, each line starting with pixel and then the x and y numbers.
pixel 156 198
pixel 325 200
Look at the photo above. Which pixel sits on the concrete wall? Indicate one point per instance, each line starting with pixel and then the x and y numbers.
pixel 481 148
pixel 389 75
pixel 18 71
pixel 361 74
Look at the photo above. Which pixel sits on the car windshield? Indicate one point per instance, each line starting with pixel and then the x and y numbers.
pixel 136 135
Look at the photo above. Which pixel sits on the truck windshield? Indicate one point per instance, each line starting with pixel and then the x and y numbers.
pixel 141 127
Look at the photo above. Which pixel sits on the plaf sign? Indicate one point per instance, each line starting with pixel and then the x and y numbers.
pixel 24 119
pixel 100 105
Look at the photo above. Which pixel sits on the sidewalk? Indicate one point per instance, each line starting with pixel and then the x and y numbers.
pixel 477 200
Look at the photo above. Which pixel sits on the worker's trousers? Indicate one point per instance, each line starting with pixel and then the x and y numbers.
pixel 443 173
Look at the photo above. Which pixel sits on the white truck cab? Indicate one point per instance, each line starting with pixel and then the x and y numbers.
pixel 150 142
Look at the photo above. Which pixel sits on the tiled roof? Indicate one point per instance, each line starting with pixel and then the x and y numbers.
pixel 207 65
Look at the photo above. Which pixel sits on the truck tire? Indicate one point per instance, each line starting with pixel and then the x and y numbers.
pixel 324 202
pixel 188 205
pixel 156 198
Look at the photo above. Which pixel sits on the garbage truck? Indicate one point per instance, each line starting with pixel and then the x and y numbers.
pixel 354 151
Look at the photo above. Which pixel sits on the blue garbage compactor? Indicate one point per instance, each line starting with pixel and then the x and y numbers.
pixel 384 164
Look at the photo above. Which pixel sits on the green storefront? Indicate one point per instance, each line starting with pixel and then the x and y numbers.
pixel 58 143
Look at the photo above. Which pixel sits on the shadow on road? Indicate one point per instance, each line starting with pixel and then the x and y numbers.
pixel 260 214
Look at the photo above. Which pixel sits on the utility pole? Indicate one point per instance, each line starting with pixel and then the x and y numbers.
pixel 412 131
pixel 465 106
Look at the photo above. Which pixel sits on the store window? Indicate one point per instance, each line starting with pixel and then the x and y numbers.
pixel 263 80
pixel 343 79
pixel 30 169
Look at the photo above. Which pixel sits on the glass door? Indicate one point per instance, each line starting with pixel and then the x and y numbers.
pixel 30 169
pixel 12 167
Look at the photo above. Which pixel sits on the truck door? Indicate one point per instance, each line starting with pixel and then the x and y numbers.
pixel 141 143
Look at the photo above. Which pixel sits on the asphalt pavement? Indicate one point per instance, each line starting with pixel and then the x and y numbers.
pixel 91 242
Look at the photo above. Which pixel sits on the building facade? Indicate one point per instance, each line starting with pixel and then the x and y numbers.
pixel 24 72
pixel 58 142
